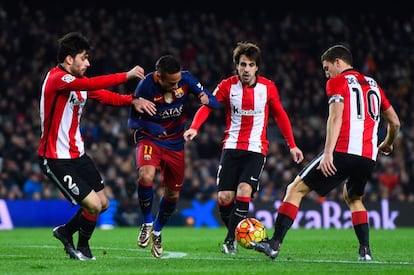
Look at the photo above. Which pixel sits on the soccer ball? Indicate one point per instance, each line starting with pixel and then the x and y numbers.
pixel 250 229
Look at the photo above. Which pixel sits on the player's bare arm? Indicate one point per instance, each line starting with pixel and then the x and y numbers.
pixel 393 127
pixel 332 132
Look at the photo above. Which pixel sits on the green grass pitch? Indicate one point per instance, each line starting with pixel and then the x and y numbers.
pixel 197 251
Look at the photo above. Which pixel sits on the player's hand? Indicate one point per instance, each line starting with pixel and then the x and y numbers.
pixel 297 154
pixel 385 149
pixel 144 105
pixel 190 134
pixel 203 97
pixel 136 72
pixel 326 165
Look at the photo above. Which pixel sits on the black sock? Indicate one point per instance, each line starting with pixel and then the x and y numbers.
pixel 87 226
pixel 240 211
pixel 73 224
pixel 362 232
pixel 225 212
pixel 282 225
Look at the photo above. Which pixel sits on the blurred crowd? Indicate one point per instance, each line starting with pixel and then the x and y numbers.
pixel 291 46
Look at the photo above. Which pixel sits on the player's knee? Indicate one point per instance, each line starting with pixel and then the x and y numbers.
pixel 93 210
pixel 146 180
pixel 291 189
pixel 92 204
pixel 225 197
pixel 146 175
pixel 104 206
pixel 244 190
pixel 298 188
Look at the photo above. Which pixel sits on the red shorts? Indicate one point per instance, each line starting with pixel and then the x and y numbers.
pixel 169 162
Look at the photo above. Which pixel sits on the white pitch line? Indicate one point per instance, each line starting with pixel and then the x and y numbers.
pixel 178 254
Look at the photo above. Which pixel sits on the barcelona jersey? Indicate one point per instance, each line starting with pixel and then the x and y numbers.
pixel 171 115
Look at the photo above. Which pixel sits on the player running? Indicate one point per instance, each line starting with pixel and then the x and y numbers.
pixel 61 150
pixel 248 100
pixel 160 142
pixel 356 103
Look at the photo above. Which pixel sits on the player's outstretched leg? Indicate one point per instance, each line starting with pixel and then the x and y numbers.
pixel 269 247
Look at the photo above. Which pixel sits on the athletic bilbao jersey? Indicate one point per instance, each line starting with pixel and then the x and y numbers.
pixel 247 111
pixel 62 100
pixel 363 102
pixel 171 115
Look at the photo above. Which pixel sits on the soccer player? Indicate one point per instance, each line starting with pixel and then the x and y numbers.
pixel 248 99
pixel 160 142
pixel 356 103
pixel 61 150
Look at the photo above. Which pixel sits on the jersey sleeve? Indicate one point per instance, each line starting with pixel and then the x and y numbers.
pixel 111 98
pixel 200 117
pixel 147 126
pixel 197 88
pixel 281 117
pixel 204 111
pixel 385 103
pixel 334 88
pixel 66 81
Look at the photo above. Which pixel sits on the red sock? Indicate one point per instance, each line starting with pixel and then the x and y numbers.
pixel 359 217
pixel 288 209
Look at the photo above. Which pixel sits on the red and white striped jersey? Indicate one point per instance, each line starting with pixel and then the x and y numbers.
pixel 363 101
pixel 62 100
pixel 247 111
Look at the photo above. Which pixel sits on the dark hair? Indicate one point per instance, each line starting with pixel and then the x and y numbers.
pixel 167 64
pixel 71 44
pixel 251 50
pixel 337 51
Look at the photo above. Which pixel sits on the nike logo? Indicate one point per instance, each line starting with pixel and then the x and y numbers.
pixel 253 179
pixel 239 210
pixel 157 98
pixel 233 94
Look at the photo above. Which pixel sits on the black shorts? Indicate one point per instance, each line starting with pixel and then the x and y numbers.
pixel 238 166
pixel 352 170
pixel 75 178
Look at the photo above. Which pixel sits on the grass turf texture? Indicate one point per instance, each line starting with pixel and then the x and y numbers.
pixel 197 251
